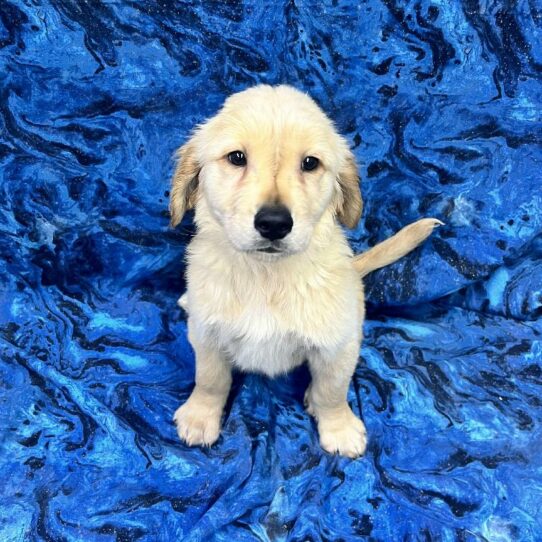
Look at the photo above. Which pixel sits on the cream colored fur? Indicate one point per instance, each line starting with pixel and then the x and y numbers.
pixel 268 313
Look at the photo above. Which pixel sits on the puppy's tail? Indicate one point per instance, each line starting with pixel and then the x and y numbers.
pixel 396 246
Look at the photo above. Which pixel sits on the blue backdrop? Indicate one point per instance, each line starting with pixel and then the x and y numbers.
pixel 441 102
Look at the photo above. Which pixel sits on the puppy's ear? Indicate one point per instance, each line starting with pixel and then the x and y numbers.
pixel 349 202
pixel 184 185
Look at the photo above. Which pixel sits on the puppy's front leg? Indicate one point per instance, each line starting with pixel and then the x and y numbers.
pixel 341 431
pixel 198 420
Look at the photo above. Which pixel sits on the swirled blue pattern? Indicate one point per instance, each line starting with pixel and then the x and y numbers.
pixel 441 102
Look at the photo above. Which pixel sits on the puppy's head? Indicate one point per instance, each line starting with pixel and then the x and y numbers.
pixel 268 166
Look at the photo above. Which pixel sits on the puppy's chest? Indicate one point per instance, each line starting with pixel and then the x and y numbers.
pixel 271 355
pixel 263 338
pixel 262 313
pixel 269 326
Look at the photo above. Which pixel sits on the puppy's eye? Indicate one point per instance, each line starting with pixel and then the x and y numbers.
pixel 309 163
pixel 237 158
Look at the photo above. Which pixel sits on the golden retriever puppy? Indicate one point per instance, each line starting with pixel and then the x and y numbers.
pixel 272 281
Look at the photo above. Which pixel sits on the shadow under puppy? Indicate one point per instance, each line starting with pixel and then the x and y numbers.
pixel 272 281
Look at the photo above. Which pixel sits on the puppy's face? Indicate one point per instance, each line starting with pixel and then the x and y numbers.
pixel 268 165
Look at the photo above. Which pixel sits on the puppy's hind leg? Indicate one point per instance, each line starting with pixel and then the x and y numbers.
pixel 198 420
pixel 340 430
pixel 183 302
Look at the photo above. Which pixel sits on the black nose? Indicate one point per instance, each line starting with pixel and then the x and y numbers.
pixel 273 222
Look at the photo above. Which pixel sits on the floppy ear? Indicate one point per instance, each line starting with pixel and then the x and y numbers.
pixel 184 185
pixel 349 203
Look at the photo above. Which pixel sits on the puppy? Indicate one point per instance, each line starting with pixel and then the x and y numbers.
pixel 271 279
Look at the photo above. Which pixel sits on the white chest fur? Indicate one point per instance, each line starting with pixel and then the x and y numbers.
pixel 268 316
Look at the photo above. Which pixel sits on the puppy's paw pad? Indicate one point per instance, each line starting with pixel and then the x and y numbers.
pixel 347 438
pixel 196 426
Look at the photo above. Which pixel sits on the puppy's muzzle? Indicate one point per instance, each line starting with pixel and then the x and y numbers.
pixel 273 222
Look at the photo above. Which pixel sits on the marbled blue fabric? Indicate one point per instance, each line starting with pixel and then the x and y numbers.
pixel 441 102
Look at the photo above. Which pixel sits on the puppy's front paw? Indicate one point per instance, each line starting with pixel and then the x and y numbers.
pixel 197 425
pixel 342 434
